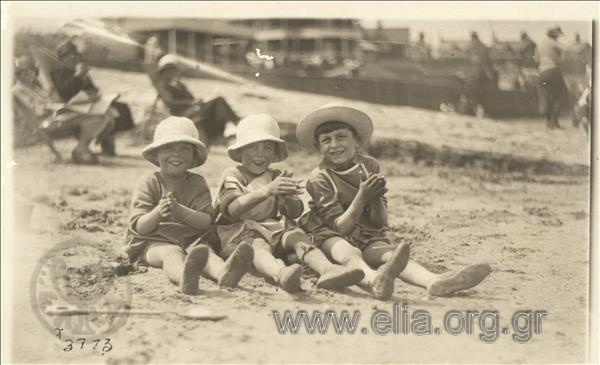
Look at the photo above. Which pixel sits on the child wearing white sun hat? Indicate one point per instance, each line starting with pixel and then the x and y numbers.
pixel 348 211
pixel 172 213
pixel 258 204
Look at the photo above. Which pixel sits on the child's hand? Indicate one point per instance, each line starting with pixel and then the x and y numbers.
pixel 373 187
pixel 164 206
pixel 284 184
pixel 290 174
pixel 174 207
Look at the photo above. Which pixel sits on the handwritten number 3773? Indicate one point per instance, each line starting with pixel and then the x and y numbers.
pixel 106 347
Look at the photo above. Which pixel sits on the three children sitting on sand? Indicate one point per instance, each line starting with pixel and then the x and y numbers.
pixel 252 224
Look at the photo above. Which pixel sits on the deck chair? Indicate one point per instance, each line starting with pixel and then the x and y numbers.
pixel 35 124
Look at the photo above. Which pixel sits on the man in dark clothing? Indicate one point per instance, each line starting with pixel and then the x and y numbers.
pixel 73 78
pixel 527 51
pixel 214 118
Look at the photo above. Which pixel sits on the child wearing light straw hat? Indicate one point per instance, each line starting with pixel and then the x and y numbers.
pixel 258 204
pixel 348 211
pixel 172 213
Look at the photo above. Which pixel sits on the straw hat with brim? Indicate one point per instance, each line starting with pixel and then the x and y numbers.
pixel 172 130
pixel 257 128
pixel 168 61
pixel 360 121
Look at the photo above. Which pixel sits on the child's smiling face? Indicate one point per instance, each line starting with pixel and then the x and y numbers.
pixel 338 147
pixel 175 158
pixel 257 157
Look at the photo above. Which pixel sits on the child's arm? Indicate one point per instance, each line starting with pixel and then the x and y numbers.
pixel 149 221
pixel 193 218
pixel 370 189
pixel 280 186
pixel 291 203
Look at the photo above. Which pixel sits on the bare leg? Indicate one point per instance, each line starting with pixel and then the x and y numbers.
pixel 89 128
pixel 416 274
pixel 215 266
pixel 331 276
pixel 390 261
pixel 344 253
pixel 377 283
pixel 446 283
pixel 181 270
pixel 229 273
pixel 288 277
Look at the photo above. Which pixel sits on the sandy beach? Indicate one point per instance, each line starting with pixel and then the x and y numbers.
pixel 531 228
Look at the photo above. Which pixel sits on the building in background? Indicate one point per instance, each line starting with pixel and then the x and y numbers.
pixel 291 42
pixel 320 43
pixel 207 40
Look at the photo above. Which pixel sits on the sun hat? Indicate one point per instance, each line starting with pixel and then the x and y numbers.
pixel 176 129
pixel 24 62
pixel 66 47
pixel 257 128
pixel 334 112
pixel 166 61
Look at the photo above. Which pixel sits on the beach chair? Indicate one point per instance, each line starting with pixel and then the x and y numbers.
pixel 35 125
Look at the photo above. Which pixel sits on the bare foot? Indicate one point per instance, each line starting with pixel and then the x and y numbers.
pixel 383 285
pixel 340 276
pixel 289 278
pixel 453 281
pixel 238 264
pixel 192 266
pixel 397 261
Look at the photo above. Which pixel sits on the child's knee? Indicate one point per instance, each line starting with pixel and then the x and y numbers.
pixel 343 252
pixel 298 241
pixel 157 253
pixel 374 253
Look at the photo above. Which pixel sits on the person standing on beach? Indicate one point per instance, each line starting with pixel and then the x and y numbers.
pixel 551 85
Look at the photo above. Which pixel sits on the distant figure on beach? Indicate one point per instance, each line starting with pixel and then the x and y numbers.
pixel 32 96
pixel 527 51
pixel 214 118
pixel 482 74
pixel 551 86
pixel 152 50
pixel 424 47
pixel 582 50
pixel 73 78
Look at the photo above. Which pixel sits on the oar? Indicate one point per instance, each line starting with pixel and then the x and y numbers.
pixel 191 313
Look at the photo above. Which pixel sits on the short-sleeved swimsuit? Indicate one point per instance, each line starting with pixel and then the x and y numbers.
pixel 266 220
pixel 332 192
pixel 150 188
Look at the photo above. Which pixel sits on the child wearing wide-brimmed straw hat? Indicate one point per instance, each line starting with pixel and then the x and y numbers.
pixel 258 204
pixel 348 211
pixel 172 213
